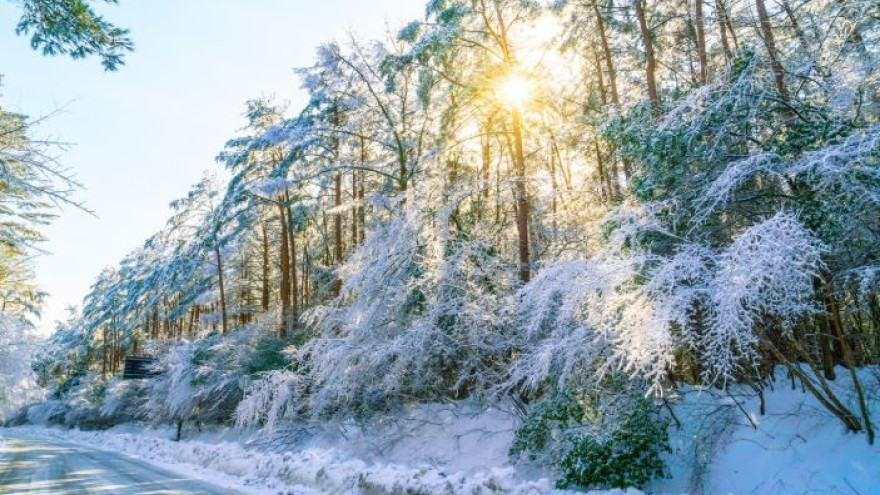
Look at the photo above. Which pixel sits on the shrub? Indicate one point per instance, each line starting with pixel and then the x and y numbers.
pixel 594 443
pixel 123 400
pixel 202 381
pixel 629 456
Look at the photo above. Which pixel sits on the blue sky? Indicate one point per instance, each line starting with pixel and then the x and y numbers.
pixel 142 135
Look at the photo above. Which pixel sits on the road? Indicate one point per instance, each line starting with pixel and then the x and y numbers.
pixel 36 466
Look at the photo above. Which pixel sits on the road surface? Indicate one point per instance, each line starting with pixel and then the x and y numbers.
pixel 36 466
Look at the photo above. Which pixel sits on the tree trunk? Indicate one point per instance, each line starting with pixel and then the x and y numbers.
pixel 165 321
pixel 362 213
pixel 264 299
pixel 798 32
pixel 222 290
pixel 104 353
pixel 724 20
pixel 285 274
pixel 701 42
pixel 307 274
pixel 837 323
pixel 604 183
pixel 244 293
pixel 337 220
pixel 294 282
pixel 725 44
pixel 650 60
pixel 192 320
pixel 485 160
pixel 354 216
pixel 600 82
pixel 770 43
pixel 337 230
pixel 609 59
pixel 522 203
pixel 825 333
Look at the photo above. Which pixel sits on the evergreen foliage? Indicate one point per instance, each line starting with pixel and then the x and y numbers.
pixel 72 27
pixel 593 443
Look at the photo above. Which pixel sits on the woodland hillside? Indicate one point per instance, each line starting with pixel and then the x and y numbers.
pixel 582 209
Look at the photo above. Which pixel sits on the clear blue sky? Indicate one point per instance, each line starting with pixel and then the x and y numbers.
pixel 145 133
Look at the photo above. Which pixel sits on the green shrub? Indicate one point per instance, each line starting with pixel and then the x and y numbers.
pixel 546 423
pixel 594 444
pixel 629 456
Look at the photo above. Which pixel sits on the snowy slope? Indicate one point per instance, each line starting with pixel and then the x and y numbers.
pixel 795 448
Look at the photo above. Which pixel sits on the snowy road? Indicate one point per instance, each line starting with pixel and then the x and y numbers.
pixel 37 466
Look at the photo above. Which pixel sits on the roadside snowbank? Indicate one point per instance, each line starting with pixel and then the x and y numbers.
pixel 310 471
pixel 723 446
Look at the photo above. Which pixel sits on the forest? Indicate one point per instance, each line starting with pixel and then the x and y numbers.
pixel 585 210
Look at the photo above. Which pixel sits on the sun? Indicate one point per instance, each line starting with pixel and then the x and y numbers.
pixel 514 90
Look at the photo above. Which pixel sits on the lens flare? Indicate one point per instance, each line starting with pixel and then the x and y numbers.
pixel 514 90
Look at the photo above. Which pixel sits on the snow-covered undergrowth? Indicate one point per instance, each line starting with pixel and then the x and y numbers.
pixel 18 382
pixel 432 449
pixel 725 445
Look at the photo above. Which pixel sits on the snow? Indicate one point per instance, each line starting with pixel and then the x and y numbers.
pixel 702 299
pixel 739 220
pixel 447 449
pixel 311 470
pixel 795 448
pixel 18 382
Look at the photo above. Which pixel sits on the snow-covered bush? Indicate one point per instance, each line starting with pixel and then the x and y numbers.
pixel 627 455
pixel 419 317
pixel 123 400
pixel 607 439
pixel 49 411
pixel 18 382
pixel 274 397
pixel 84 404
pixel 633 310
pixel 76 402
pixel 171 396
pixel 203 380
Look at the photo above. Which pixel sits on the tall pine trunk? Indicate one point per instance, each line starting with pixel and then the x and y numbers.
pixel 222 289
pixel 650 59
pixel 285 274
pixel 264 296
pixel 294 282
pixel 725 43
pixel 701 42
pixel 522 202
pixel 770 43
pixel 609 58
